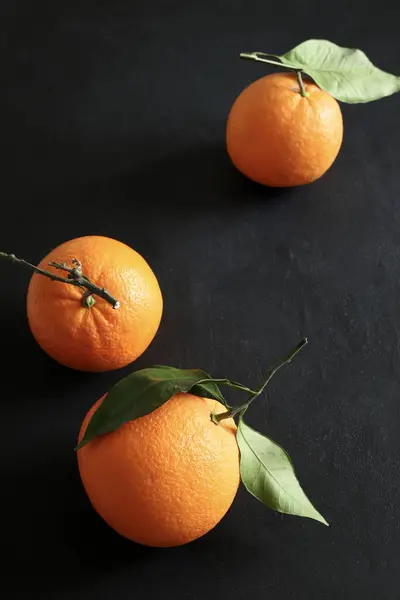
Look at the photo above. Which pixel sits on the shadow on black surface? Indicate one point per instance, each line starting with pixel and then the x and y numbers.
pixel 34 366
pixel 79 552
pixel 193 181
pixel 57 521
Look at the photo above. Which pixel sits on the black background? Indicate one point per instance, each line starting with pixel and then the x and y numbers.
pixel 113 122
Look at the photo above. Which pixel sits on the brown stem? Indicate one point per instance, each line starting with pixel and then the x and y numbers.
pixel 232 412
pixel 75 278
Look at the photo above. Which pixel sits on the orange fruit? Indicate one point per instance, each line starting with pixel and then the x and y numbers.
pixel 98 338
pixel 164 479
pixel 277 137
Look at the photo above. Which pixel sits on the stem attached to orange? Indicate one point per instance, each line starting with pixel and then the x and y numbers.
pixel 270 59
pixel 75 277
pixel 301 84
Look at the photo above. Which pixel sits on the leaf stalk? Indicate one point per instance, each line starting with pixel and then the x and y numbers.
pixel 232 412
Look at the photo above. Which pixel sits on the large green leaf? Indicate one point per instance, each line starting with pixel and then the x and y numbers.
pixel 267 473
pixel 346 73
pixel 142 392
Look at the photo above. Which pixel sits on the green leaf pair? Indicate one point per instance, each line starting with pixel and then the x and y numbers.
pixel 346 73
pixel 265 468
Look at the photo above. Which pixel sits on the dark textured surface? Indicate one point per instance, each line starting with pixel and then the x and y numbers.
pixel 112 122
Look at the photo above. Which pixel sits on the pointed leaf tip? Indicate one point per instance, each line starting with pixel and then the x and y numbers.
pixel 268 474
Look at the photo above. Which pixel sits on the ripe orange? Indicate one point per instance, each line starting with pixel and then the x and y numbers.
pixel 98 338
pixel 164 479
pixel 279 138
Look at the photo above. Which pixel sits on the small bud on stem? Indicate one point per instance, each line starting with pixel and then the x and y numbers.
pixel 75 277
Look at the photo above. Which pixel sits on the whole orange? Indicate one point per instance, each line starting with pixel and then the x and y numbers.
pixel 98 338
pixel 167 478
pixel 277 137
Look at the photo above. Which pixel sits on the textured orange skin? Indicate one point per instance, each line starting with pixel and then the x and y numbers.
pixel 164 479
pixel 278 138
pixel 97 338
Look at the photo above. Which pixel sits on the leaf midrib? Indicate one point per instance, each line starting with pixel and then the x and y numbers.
pixel 343 73
pixel 272 476
pixel 122 421
pixel 176 389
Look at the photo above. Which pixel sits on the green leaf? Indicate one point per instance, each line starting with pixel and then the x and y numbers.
pixel 346 73
pixel 267 473
pixel 208 390
pixel 142 392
